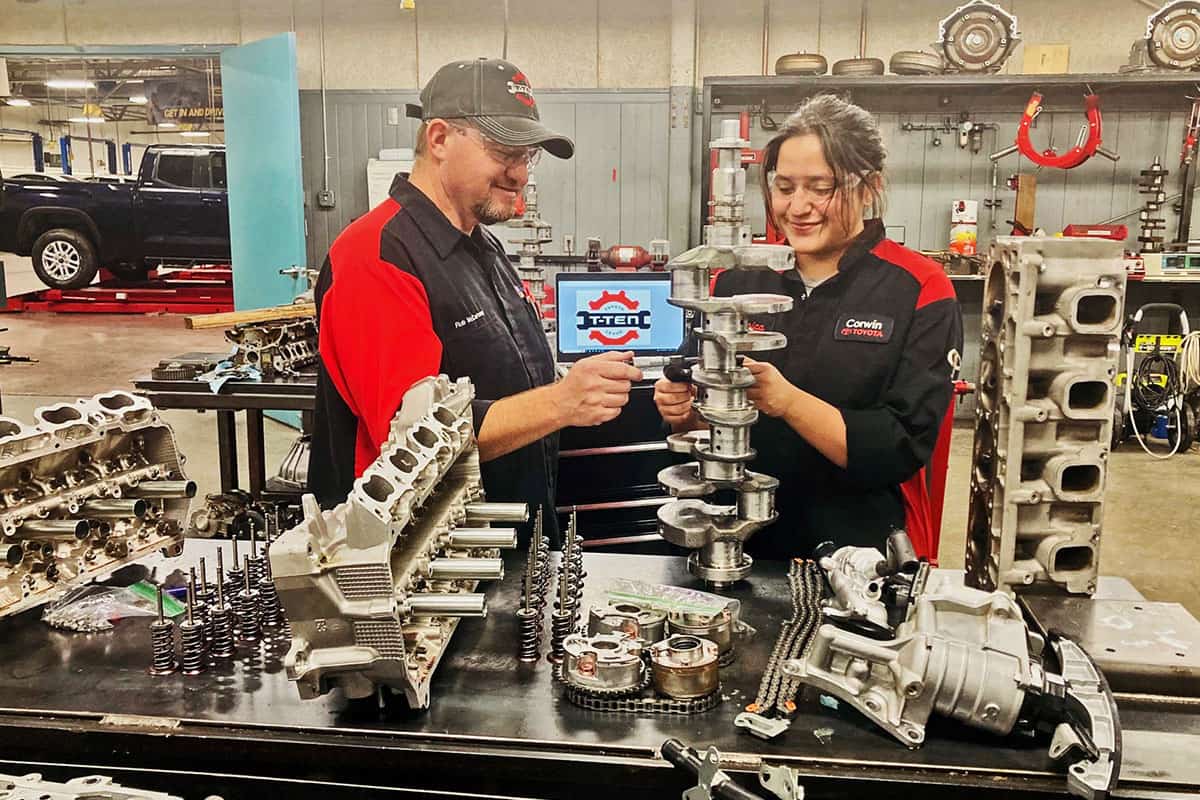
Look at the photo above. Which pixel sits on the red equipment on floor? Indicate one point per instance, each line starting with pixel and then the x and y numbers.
pixel 196 290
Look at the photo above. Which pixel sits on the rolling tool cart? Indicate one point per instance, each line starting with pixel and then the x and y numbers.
pixel 1153 404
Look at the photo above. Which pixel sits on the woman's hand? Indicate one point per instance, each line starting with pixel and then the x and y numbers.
pixel 772 393
pixel 674 403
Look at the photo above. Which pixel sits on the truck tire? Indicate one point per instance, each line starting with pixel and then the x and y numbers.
pixel 64 259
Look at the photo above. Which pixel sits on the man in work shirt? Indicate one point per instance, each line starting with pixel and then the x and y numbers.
pixel 418 286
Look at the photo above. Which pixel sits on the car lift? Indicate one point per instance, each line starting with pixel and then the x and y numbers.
pixel 195 290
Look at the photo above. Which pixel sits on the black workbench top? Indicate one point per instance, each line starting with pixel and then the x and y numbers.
pixel 89 698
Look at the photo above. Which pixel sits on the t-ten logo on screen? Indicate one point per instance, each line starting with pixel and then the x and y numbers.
pixel 611 319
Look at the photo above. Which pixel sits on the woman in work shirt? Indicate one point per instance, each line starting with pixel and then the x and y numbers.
pixel 850 410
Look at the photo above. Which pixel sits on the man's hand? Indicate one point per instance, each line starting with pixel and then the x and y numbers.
pixel 772 393
pixel 595 389
pixel 674 402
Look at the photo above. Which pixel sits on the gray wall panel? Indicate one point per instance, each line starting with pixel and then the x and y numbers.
pixel 626 131
pixel 597 186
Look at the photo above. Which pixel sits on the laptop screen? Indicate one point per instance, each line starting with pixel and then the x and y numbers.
pixel 603 311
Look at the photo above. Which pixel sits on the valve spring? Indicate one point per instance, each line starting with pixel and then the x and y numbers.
pixel 234 579
pixel 203 613
pixel 256 570
pixel 162 648
pixel 561 625
pixel 272 613
pixel 221 644
pixel 245 608
pixel 530 622
pixel 193 647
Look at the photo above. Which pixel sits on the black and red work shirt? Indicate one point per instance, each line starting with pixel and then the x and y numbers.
pixel 404 295
pixel 880 341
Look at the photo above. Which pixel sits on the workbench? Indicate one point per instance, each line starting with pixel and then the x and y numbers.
pixel 74 704
pixel 292 393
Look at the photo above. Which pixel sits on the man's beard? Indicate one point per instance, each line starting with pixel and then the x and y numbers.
pixel 489 213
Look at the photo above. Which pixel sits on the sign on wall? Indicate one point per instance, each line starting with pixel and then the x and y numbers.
pixel 184 101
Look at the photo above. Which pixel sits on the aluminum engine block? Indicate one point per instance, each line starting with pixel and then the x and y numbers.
pixel 90 486
pixel 374 588
pixel 1052 318
pixel 901 644
pixel 277 347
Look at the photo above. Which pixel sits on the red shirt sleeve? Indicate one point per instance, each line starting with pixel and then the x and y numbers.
pixel 376 341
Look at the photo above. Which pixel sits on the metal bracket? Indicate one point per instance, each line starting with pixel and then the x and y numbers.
pixel 783 782
pixel 760 726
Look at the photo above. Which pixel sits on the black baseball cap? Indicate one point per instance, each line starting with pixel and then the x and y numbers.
pixel 496 97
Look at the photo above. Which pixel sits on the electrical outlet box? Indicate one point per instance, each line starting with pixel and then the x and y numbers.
pixel 325 199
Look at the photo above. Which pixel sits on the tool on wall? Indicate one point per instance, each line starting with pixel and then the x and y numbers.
pixel 1187 175
pixel 1153 185
pixel 1173 35
pixel 977 37
pixel 1087 144
pixel 969 131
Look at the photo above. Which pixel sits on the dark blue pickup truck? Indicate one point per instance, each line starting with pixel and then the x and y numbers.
pixel 176 212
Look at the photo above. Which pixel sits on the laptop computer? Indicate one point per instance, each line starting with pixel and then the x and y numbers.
pixel 599 312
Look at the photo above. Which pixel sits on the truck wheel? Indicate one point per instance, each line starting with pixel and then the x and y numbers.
pixel 64 259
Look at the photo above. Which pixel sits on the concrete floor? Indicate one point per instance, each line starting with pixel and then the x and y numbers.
pixel 1152 512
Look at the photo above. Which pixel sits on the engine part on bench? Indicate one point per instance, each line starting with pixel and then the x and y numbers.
pixel 713 783
pixel 978 37
pixel 685 667
pixel 718 532
pixel 916 62
pixel 801 64
pixel 857 66
pixel 717 628
pixel 92 485
pixel 776 691
pixel 1173 35
pixel 162 642
pixel 276 347
pixel 292 475
pixel 962 652
pixel 354 581
pixel 607 662
pixel 633 619
pixel 226 515
pixel 1051 326
pixel 86 787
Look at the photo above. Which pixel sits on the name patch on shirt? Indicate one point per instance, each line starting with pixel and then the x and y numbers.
pixel 864 328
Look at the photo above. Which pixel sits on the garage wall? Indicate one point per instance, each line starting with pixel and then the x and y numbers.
pixel 375 44
pixel 615 187
pixel 923 180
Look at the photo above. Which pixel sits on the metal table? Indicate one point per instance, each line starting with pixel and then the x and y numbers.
pixel 252 397
pixel 72 704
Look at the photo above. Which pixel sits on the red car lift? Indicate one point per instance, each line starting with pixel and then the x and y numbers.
pixel 196 290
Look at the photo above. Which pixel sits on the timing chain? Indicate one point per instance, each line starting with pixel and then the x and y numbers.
pixel 776 691
pixel 631 700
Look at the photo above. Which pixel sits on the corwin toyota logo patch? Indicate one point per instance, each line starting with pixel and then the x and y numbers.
pixel 612 318
pixel 874 328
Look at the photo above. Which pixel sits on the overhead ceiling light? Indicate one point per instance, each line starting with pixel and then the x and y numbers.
pixel 70 83
pixel 20 102
pixel 85 120
pixel 195 134
pixel 166 125
pixel 138 99
pixel 134 80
